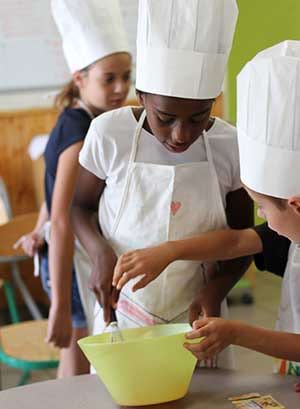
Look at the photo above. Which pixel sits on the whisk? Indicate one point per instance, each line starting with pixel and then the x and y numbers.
pixel 113 328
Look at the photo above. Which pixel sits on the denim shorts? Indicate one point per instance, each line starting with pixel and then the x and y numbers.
pixel 78 316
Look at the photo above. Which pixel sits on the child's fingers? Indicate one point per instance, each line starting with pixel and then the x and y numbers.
pixel 197 324
pixel 209 353
pixel 127 276
pixel 18 243
pixel 122 266
pixel 199 348
pixel 199 333
pixel 145 280
pixel 201 330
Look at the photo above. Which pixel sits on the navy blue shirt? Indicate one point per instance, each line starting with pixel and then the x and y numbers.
pixel 71 127
pixel 275 252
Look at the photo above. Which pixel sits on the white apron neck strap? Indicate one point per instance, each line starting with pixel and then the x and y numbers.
pixel 85 108
pixel 209 155
pixel 132 157
pixel 207 148
pixel 136 137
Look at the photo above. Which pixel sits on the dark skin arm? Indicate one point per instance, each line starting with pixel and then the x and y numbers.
pixel 85 223
pixel 240 215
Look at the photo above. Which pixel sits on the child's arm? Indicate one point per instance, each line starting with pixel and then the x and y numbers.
pixel 85 224
pixel 220 333
pixel 61 248
pixel 214 245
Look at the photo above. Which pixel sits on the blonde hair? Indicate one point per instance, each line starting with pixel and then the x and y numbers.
pixel 67 97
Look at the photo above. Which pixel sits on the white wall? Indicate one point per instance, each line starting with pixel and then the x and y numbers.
pixel 24 100
pixel 14 101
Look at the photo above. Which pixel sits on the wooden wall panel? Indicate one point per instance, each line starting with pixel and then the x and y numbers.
pixel 17 130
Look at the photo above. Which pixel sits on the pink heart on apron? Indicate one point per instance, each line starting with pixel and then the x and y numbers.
pixel 175 206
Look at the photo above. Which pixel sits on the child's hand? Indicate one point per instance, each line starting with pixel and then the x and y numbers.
pixel 218 333
pixel 59 331
pixel 101 282
pixel 30 243
pixel 148 263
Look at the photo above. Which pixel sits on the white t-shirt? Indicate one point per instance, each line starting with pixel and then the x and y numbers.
pixel 108 144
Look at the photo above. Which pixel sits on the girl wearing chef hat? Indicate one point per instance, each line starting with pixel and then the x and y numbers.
pixel 166 170
pixel 269 144
pixel 96 50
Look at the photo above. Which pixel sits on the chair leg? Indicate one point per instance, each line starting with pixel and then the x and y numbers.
pixel 24 378
pixel 29 301
pixel 11 301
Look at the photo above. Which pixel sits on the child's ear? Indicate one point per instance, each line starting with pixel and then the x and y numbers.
pixel 141 98
pixel 78 79
pixel 294 203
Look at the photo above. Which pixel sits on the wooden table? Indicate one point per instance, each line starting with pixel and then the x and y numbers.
pixel 10 232
pixel 209 389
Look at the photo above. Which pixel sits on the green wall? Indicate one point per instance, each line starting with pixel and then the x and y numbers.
pixel 262 23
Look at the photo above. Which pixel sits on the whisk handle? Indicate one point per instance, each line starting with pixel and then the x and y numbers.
pixel 113 316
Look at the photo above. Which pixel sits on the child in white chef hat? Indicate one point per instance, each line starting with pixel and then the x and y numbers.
pixel 97 53
pixel 269 145
pixel 167 170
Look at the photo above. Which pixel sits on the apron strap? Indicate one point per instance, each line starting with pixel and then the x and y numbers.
pixel 136 137
pixel 85 108
pixel 132 158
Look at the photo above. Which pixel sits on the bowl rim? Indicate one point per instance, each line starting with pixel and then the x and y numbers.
pixel 132 341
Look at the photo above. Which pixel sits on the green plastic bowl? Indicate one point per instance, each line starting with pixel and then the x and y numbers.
pixel 151 366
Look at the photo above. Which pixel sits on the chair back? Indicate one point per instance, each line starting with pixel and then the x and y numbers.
pixel 5 207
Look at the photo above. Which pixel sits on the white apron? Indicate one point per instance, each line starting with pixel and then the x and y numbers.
pixel 162 203
pixel 289 310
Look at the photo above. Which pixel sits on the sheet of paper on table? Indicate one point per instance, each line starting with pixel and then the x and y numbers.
pixel 262 402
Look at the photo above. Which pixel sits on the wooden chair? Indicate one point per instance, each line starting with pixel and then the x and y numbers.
pixel 10 232
pixel 22 344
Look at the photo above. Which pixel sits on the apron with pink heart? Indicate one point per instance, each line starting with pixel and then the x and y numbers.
pixel 159 203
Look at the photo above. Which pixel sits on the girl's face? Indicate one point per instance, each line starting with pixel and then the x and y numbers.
pixel 285 220
pixel 176 122
pixel 105 85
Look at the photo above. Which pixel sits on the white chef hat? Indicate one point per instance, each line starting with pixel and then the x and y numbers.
pixel 269 121
pixel 183 46
pixel 90 30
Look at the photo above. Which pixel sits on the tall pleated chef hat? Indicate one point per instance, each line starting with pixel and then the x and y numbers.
pixel 269 121
pixel 90 30
pixel 183 46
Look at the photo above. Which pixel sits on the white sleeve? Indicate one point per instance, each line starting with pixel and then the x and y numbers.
pixel 230 167
pixel 91 156
pixel 229 164
pixel 226 159
pixel 236 173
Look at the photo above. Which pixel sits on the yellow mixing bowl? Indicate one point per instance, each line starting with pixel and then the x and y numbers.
pixel 151 366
